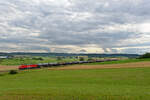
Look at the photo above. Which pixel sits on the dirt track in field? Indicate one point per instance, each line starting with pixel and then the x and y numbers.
pixel 3 68
pixel 125 65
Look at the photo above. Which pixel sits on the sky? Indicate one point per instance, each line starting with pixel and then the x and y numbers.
pixel 75 26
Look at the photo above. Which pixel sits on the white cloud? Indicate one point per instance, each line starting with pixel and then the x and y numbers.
pixel 75 25
pixel 144 28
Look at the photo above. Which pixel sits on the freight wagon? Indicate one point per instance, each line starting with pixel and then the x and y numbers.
pixel 34 66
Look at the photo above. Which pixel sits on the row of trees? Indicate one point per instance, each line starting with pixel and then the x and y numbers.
pixel 146 55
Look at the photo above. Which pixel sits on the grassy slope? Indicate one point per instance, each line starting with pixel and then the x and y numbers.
pixel 104 84
pixel 120 61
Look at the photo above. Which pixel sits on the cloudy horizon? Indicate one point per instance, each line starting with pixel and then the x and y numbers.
pixel 75 26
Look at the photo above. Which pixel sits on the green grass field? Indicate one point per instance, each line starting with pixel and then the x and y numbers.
pixel 103 84
pixel 120 61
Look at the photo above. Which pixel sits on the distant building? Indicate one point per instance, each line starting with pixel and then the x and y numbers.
pixel 21 56
pixel 3 57
pixel 85 57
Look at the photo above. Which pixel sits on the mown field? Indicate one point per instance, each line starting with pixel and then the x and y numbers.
pixel 100 84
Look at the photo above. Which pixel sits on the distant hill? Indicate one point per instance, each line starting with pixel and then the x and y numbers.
pixel 69 54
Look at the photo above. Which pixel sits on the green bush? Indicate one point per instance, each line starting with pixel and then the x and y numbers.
pixel 146 55
pixel 81 59
pixel 90 59
pixel 59 58
pixel 13 72
pixel 38 58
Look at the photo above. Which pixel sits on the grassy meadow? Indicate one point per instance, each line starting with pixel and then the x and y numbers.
pixel 102 84
pixel 120 61
pixel 36 60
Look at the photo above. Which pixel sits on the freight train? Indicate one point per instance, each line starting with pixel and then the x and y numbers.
pixel 35 66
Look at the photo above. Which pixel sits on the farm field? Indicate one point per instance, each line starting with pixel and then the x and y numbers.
pixel 93 84
pixel 121 61
pixel 4 68
pixel 37 60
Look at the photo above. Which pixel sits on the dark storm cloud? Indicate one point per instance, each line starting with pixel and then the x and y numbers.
pixel 66 25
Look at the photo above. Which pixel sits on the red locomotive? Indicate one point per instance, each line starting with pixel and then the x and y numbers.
pixel 28 66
